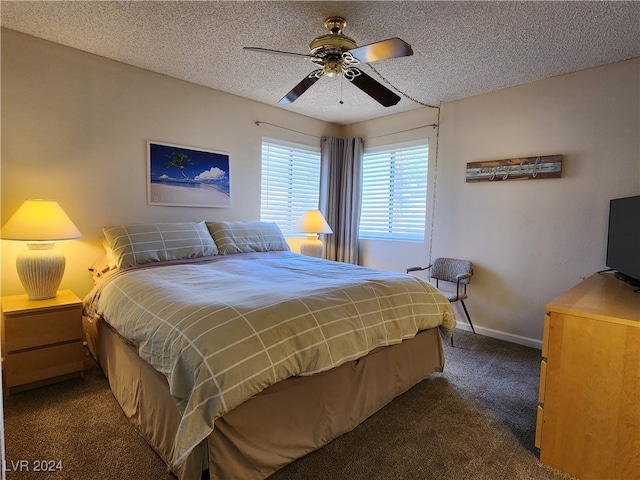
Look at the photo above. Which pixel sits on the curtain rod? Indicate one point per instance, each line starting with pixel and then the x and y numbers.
pixel 433 125
pixel 258 123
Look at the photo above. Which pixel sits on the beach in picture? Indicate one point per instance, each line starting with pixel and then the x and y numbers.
pixel 186 176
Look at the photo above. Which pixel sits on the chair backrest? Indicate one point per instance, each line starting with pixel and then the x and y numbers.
pixel 448 269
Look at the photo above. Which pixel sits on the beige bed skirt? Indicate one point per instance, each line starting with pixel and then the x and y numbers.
pixel 276 427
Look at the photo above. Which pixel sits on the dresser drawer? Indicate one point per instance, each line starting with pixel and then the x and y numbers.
pixel 543 381
pixel 28 330
pixel 539 421
pixel 545 336
pixel 43 363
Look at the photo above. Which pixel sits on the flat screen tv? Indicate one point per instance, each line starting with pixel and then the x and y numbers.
pixel 623 244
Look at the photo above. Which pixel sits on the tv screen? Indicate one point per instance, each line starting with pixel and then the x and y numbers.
pixel 623 245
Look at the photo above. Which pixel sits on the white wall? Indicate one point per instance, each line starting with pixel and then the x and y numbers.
pixel 74 129
pixel 530 240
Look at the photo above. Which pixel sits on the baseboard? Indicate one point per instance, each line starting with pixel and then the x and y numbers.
pixel 508 337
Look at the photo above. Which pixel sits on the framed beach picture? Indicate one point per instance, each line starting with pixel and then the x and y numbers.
pixel 187 177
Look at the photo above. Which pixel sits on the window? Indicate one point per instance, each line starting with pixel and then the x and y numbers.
pixel 290 183
pixel 394 193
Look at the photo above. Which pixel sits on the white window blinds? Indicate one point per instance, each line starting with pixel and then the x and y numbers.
pixel 290 182
pixel 394 193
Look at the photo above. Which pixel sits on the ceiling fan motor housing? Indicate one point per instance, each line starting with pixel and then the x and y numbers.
pixel 329 48
pixel 331 41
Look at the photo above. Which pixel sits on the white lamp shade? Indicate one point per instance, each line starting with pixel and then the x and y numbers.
pixel 313 222
pixel 40 223
pixel 38 220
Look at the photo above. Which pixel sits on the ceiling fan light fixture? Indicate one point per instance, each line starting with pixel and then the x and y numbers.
pixel 333 67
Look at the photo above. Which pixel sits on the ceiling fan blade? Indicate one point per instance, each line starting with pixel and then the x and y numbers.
pixel 375 90
pixel 390 48
pixel 277 52
pixel 299 89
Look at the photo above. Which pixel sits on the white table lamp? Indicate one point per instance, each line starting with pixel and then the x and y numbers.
pixel 40 223
pixel 313 223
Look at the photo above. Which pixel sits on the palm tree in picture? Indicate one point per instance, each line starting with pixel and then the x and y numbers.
pixel 180 161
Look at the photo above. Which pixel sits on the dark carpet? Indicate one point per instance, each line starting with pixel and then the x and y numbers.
pixel 474 421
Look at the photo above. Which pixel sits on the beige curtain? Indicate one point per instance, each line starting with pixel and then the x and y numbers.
pixel 340 195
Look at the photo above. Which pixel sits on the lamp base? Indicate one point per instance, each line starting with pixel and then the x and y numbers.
pixel 312 246
pixel 40 269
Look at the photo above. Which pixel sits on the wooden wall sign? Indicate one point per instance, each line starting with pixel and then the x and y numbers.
pixel 527 168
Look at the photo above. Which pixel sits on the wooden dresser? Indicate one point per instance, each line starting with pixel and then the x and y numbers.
pixel 589 399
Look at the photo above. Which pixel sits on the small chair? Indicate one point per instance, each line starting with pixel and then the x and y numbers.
pixel 455 271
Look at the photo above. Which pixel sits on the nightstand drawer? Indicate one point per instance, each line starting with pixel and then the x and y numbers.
pixel 29 330
pixel 43 363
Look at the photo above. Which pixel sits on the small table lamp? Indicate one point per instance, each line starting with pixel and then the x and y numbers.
pixel 312 223
pixel 40 223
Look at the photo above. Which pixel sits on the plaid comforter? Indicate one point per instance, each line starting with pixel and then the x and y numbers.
pixel 223 330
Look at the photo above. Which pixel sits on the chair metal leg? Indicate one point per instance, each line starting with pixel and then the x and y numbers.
pixel 468 317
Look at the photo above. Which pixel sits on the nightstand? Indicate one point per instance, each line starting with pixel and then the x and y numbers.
pixel 41 340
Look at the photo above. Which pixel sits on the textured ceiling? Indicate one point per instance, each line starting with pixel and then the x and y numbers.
pixel 461 48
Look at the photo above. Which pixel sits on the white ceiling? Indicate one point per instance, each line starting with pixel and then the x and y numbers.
pixel 461 48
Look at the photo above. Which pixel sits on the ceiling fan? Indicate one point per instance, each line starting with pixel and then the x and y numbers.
pixel 336 54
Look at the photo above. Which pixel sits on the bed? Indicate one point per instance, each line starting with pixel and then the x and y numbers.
pixel 234 356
